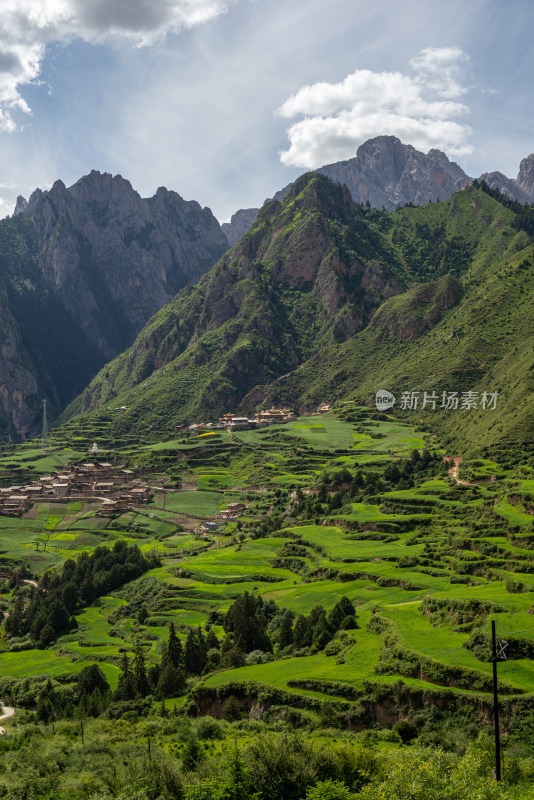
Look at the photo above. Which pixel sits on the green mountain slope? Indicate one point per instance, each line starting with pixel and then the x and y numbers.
pixel 324 299
pixel 310 271
pixel 484 343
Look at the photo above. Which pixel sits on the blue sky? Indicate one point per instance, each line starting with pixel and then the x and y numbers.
pixel 226 101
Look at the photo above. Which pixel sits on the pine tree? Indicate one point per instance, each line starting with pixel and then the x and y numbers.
pixel 212 641
pixel 247 625
pixel 302 632
pixel 141 679
pixel 195 655
pixel 14 624
pixel 174 648
pixel 126 689
pixel 202 648
pixel 171 680
pixel 190 653
pixel 286 632
pixel 192 753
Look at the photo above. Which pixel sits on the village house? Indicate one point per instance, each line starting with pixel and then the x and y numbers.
pixel 88 468
pixel 208 527
pixel 242 424
pixel 16 504
pixel 274 415
pixel 136 496
pixel 104 487
pixel 34 490
pixel 232 510
pixel 106 469
pixel 111 507
pixel 9 490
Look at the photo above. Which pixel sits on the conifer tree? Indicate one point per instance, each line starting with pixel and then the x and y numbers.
pixel 171 680
pixel 286 632
pixel 141 679
pixel 195 655
pixel 302 633
pixel 247 625
pixel 212 641
pixel 174 648
pixel 126 689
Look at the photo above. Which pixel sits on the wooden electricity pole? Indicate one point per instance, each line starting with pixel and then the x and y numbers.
pixel 496 704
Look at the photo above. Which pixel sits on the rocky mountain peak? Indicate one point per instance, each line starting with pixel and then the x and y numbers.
pixel 239 224
pixel 103 261
pixel 525 177
pixel 20 205
pixel 508 186
pixel 386 172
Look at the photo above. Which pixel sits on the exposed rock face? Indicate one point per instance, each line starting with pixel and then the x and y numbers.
pixel 309 273
pixel 239 224
pixel 508 186
pixel 525 178
pixel 386 172
pixel 85 268
pixel 105 249
pixel 18 386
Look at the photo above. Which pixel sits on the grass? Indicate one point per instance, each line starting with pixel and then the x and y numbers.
pixel 514 515
pixel 199 503
pixel 422 548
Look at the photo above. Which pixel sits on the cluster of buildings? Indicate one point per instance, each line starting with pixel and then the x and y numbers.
pixel 103 481
pixel 234 422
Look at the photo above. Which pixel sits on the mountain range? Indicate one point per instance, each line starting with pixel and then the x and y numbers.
pixel 325 299
pixel 387 173
pixel 328 292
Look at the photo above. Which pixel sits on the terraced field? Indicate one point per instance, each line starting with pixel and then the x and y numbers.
pixel 332 508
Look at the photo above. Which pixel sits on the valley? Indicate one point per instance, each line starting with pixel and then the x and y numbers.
pixel 352 503
pixel 225 572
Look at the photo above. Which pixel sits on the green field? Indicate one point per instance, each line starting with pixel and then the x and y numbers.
pixel 389 548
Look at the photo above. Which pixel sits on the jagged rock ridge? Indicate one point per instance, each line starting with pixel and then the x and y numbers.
pixel 85 267
pixel 387 173
pixel 239 224
pixel 308 272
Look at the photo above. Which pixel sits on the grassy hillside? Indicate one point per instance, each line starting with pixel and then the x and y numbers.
pixel 484 343
pixel 341 300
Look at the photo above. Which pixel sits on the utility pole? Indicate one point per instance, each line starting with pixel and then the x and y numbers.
pixel 45 438
pixel 502 646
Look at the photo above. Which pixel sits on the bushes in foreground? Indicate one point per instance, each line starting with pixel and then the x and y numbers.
pixel 114 762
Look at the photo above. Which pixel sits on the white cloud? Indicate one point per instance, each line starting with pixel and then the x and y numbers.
pixel 420 108
pixel 28 26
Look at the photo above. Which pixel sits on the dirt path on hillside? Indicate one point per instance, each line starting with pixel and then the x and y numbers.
pixel 7 712
pixel 453 471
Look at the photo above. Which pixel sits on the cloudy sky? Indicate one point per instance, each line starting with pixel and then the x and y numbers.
pixel 226 101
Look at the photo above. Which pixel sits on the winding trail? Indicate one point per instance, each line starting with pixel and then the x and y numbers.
pixel 453 471
pixel 7 712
